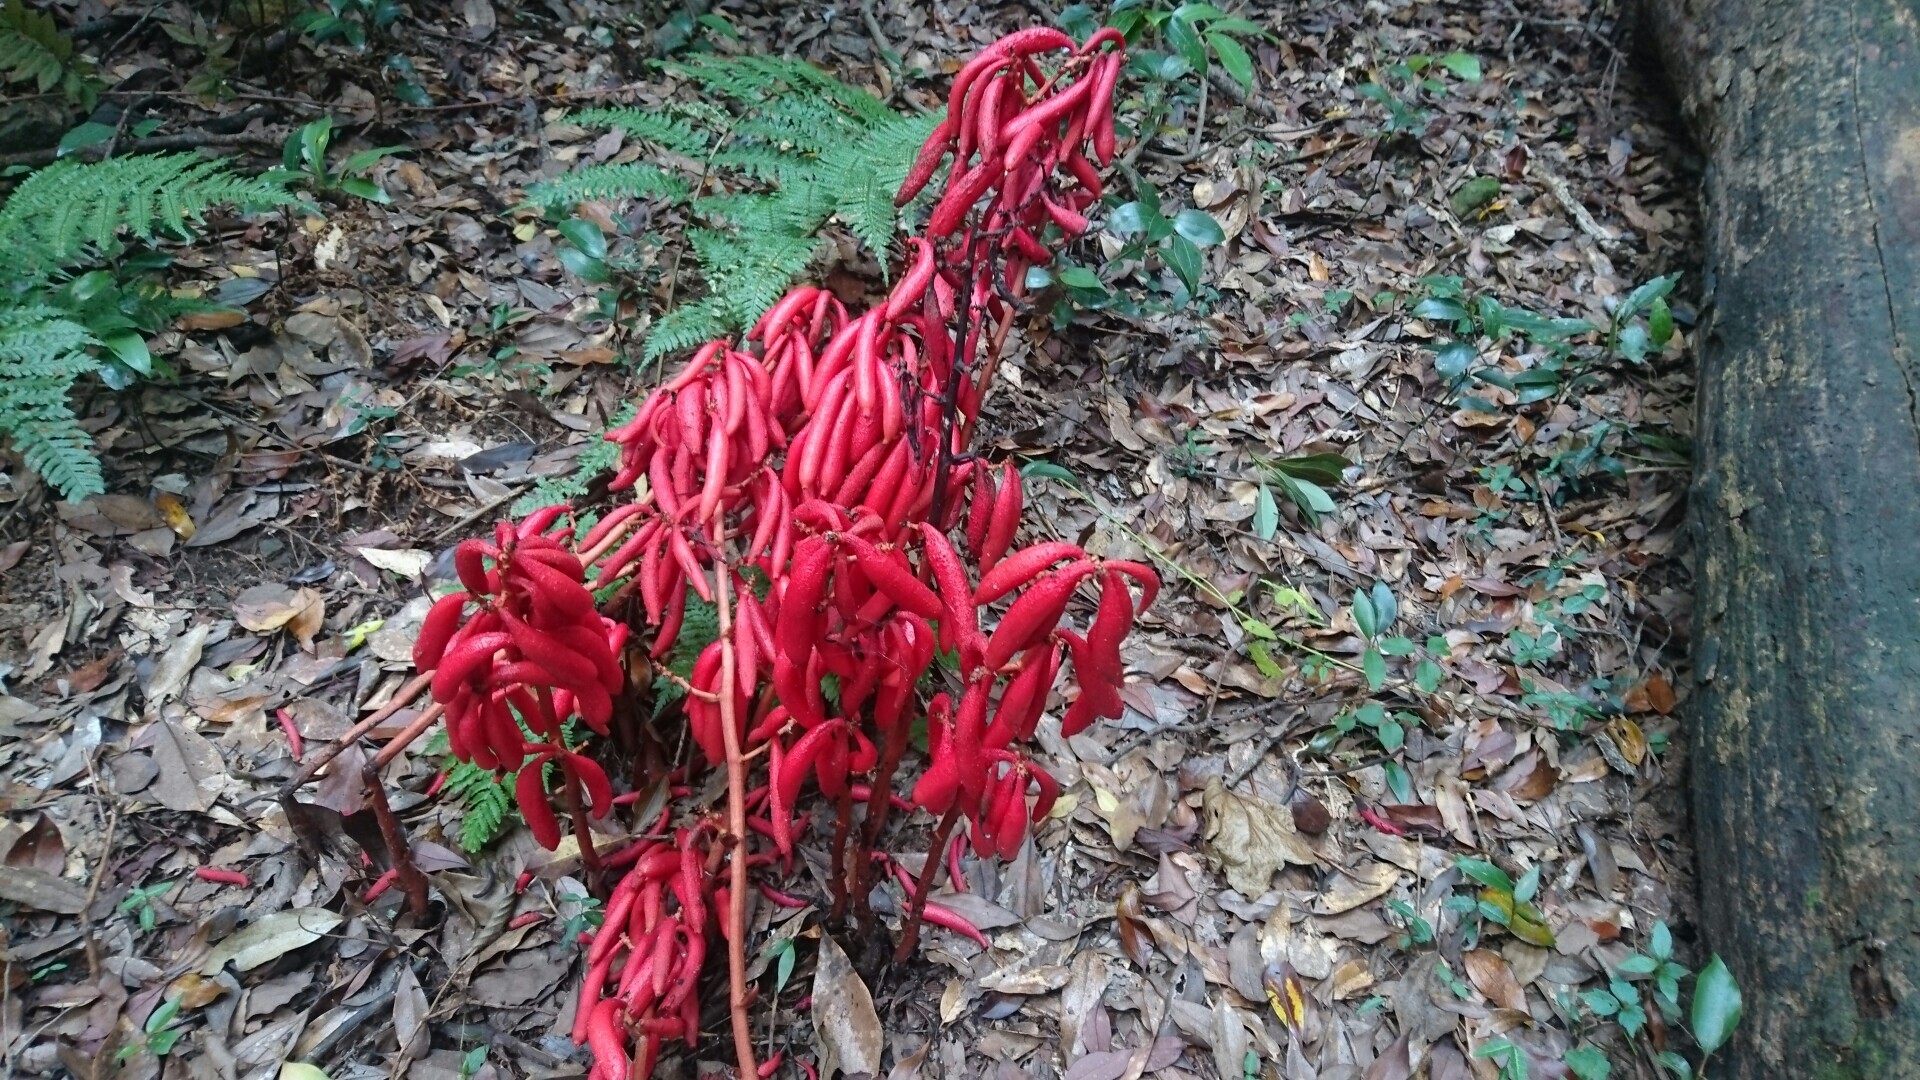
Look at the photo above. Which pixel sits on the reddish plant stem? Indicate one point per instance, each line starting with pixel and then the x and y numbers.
pixel 413 731
pixel 917 907
pixel 411 879
pixel 589 856
pixel 843 874
pixel 401 699
pixel 736 914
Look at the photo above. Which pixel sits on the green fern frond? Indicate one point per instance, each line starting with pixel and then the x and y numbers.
pixel 686 326
pixel 42 353
pixel 486 804
pixel 62 213
pixel 625 180
pixel 670 130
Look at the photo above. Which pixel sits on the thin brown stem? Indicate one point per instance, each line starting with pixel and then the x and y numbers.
pixel 589 856
pixel 401 699
pixel 917 907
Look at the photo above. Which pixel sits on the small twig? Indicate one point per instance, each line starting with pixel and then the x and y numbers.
pixel 1565 197
pixel 401 699
pixel 887 52
pixel 736 913
pixel 191 140
pixel 917 907
pixel 93 891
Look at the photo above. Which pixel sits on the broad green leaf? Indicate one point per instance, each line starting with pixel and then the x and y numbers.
pixel 1233 57
pixel 1465 65
pixel 1128 219
pixel 1319 468
pixel 1392 736
pixel 1439 309
pixel 1661 945
pixel 1454 359
pixel 1375 667
pixel 367 159
pixel 131 350
pixel 1675 1064
pixel 1638 965
pixel 1427 676
pixel 1079 277
pixel 1186 41
pixel 586 236
pixel 87 134
pixel 1312 500
pixel 1716 1005
pixel 1266 513
pixel 1199 227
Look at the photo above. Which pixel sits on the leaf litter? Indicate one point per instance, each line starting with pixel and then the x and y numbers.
pixel 1237 880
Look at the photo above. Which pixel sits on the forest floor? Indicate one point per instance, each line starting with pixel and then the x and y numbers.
pixel 1302 796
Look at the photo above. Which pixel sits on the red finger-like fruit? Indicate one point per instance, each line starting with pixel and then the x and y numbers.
pixel 1148 581
pixel 531 794
pixel 1004 520
pixel 1021 567
pixel 469 562
pixel 437 629
pixel 1035 615
pixel 888 571
pixel 927 162
pixel 979 511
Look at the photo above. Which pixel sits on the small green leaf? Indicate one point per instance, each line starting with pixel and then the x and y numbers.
pixel 1038 278
pixel 1639 965
pixel 1528 885
pixel 1675 1064
pixel 1266 514
pixel 1399 781
pixel 1485 873
pixel 1233 57
pixel 1363 617
pixel 162 1016
pixel 1047 470
pixel 1392 736
pixel 1385 608
pixel 365 189
pixel 1643 297
pixel 1464 65
pixel 1261 630
pixel 1716 1005
pixel 1473 195
pixel 1589 1062
pixel 1427 676
pixel 1199 227
pixel 1184 259
pixel 1634 344
pixel 1375 667
pixel 1263 659
pixel 361 160
pixel 476 1057
pixel 1660 322
pixel 1661 944
pixel 1397 645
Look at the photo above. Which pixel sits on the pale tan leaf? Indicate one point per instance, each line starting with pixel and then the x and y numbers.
pixel 844 1021
pixel 1251 839
pixel 191 772
pixel 269 938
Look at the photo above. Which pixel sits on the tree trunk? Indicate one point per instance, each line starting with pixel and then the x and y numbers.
pixel 1806 505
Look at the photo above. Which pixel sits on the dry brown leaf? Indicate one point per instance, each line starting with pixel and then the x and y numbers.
pixel 170 675
pixel 42 891
pixel 40 847
pixel 410 1016
pixel 1356 886
pixel 848 1029
pixel 191 771
pixel 1250 839
pixel 1489 974
pixel 270 937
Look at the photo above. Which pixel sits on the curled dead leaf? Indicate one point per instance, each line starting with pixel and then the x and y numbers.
pixel 1250 839
pixel 844 1020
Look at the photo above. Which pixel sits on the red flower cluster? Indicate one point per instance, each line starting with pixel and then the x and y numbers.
pixel 804 482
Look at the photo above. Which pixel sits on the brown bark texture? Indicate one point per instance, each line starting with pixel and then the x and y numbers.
pixel 1806 505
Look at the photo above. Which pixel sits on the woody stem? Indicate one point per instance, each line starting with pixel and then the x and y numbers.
pixel 736 914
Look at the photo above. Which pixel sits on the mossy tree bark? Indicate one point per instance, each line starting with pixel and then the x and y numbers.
pixel 1806 505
